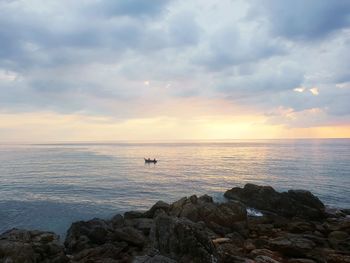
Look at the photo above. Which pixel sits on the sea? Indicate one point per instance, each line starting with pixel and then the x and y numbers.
pixel 49 186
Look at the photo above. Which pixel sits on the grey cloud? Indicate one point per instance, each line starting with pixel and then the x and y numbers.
pixel 299 19
pixel 228 47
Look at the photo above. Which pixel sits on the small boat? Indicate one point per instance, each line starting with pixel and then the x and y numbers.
pixel 150 160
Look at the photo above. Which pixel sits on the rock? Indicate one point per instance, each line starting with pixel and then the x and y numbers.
pixel 219 217
pixel 117 221
pixel 22 246
pixel 154 259
pixel 218 241
pixel 265 252
pixel 345 211
pixel 134 214
pixel 301 260
pixel 337 258
pixel 294 203
pixel 159 207
pixel 85 234
pixel 102 253
pixel 292 245
pixel 143 224
pixel 182 239
pixel 130 235
pixel 265 259
pixel 339 240
pixel 301 227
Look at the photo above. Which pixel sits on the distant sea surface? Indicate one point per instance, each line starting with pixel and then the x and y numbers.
pixel 48 186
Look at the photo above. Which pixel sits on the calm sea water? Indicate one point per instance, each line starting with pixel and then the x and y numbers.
pixel 50 186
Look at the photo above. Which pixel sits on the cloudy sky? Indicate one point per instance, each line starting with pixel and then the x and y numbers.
pixel 171 69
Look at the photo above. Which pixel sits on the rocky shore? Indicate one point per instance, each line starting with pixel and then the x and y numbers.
pixel 295 228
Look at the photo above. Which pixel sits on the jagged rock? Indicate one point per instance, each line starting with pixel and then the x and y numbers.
pixel 293 203
pixel 219 217
pixel 182 240
pixel 23 246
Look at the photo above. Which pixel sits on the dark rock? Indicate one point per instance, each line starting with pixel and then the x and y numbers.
pixel 215 216
pixel 182 240
pixel 19 246
pixel 265 252
pixel 157 208
pixel 345 211
pixel 130 235
pixel 117 221
pixel 301 260
pixel 134 214
pixel 294 203
pixel 301 227
pixel 339 240
pixel 85 234
pixel 292 245
pixel 153 259
pixel 265 259
pixel 143 224
pixel 102 253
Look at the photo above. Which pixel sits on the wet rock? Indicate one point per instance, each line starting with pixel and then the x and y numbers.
pixel 294 203
pixel 19 246
pixel 182 240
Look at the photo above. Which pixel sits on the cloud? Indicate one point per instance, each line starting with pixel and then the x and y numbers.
pixel 141 59
pixel 308 20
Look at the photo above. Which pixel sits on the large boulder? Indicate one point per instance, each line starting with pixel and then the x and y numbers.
pixel 23 246
pixel 97 240
pixel 182 240
pixel 294 203
pixel 215 216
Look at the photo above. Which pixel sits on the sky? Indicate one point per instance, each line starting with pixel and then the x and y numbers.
pixel 103 70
